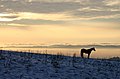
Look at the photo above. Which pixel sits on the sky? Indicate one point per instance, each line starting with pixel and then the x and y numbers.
pixel 59 21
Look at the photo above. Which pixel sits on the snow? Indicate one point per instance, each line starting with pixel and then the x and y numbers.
pixel 24 65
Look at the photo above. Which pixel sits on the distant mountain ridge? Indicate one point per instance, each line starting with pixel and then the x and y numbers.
pixel 65 46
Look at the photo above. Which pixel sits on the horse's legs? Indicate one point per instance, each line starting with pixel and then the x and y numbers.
pixel 82 54
pixel 88 55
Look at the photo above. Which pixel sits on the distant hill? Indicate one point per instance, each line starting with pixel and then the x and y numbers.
pixel 65 46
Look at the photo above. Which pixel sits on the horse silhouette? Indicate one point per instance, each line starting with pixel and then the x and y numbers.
pixel 87 51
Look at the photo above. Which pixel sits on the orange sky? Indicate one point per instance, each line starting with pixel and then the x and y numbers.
pixel 51 22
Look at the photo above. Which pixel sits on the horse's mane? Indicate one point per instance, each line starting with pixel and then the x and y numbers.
pixel 93 48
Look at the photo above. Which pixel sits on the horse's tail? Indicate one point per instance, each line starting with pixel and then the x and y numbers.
pixel 81 53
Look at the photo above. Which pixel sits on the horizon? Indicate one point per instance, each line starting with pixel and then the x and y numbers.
pixel 48 22
pixel 101 45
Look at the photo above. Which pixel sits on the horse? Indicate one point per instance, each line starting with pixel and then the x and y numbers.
pixel 87 51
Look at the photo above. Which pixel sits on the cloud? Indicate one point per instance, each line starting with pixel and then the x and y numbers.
pixel 96 14
pixel 29 22
pixel 8 17
pixel 39 7
pixel 14 26
pixel 58 10
pixel 37 16
pixel 112 2
pixel 33 18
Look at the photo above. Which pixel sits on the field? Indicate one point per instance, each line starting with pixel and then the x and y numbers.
pixel 25 65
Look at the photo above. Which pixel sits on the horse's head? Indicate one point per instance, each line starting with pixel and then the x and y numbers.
pixel 93 49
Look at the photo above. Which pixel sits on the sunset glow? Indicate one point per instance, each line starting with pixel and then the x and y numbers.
pixel 64 21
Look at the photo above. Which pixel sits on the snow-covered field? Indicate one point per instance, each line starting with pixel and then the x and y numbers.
pixel 17 65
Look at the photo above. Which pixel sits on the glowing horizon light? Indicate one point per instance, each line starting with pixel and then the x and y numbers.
pixel 6 19
pixel 59 21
